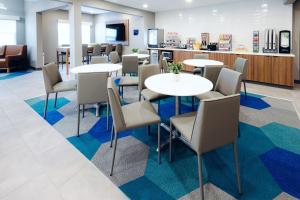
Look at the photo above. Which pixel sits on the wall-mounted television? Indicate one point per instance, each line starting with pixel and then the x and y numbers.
pixel 117 31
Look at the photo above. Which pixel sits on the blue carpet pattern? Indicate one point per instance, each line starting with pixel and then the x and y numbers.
pixel 12 75
pixel 269 155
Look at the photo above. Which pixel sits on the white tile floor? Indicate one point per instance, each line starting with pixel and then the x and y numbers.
pixel 36 162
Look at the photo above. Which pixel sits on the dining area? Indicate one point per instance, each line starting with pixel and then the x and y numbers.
pixel 133 92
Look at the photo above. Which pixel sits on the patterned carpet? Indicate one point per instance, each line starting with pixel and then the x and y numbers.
pixel 269 152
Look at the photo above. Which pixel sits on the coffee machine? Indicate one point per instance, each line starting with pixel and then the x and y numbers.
pixel 270 43
pixel 285 41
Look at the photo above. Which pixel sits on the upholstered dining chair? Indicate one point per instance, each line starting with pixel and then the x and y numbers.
pixel 119 49
pixel 165 66
pixel 213 126
pixel 92 89
pixel 54 83
pixel 85 57
pixel 241 65
pixel 228 83
pixel 96 51
pixel 114 57
pixel 129 116
pixel 200 56
pixel 99 59
pixel 108 49
pixel 130 65
pixel 145 72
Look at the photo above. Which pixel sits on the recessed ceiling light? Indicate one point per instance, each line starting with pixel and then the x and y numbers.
pixel 145 5
pixel 265 5
pixel 3 7
pixel 189 1
pixel 180 14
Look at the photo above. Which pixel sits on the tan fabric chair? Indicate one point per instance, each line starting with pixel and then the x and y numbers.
pixel 145 72
pixel 99 59
pixel 213 126
pixel 54 83
pixel 212 73
pixel 165 66
pixel 114 57
pixel 96 50
pixel 241 65
pixel 130 116
pixel 119 49
pixel 228 83
pixel 85 57
pixel 130 65
pixel 92 89
pixel 200 56
pixel 108 49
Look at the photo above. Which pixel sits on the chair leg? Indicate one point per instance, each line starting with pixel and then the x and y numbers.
pixel 148 129
pixel 237 167
pixel 107 115
pixel 158 107
pixel 122 92
pixel 55 101
pixel 239 131
pixel 83 111
pixel 193 103
pixel 112 135
pixel 46 105
pixel 114 154
pixel 170 143
pixel 158 138
pixel 245 90
pixel 200 177
pixel 78 119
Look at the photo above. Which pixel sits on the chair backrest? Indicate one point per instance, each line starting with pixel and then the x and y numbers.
pixel 2 51
pixel 99 59
pixel 97 50
pixel 201 56
pixel 216 123
pixel 241 65
pixel 165 65
pixel 119 49
pixel 108 49
pixel 92 88
pixel 145 71
pixel 114 57
pixel 51 76
pixel 229 82
pixel 84 50
pixel 212 73
pixel 130 64
pixel 143 52
pixel 115 106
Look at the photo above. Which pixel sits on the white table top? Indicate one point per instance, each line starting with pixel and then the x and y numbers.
pixel 140 56
pixel 201 62
pixel 178 85
pixel 96 68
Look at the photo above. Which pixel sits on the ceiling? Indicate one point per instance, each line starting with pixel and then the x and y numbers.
pixel 163 5
pixel 88 10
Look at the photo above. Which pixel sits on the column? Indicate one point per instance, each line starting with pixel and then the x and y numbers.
pixel 75 34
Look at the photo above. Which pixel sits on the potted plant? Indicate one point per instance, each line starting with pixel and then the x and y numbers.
pixel 135 50
pixel 175 67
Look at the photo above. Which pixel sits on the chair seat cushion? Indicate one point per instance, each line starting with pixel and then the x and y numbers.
pixel 184 124
pixel 139 114
pixel 65 86
pixel 210 95
pixel 2 62
pixel 129 81
pixel 152 96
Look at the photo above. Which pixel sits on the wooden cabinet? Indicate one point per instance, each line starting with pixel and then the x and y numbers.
pixel 277 70
pixel 282 71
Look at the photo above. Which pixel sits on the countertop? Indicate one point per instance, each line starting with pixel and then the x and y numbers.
pixel 226 52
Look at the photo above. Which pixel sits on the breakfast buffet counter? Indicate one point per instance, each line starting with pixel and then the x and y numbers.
pixel 271 68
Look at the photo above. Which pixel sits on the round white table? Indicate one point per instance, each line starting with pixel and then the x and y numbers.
pixel 96 68
pixel 201 62
pixel 140 56
pixel 178 85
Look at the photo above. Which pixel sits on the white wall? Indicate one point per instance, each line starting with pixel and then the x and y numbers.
pixel 135 22
pixel 237 18
pixel 50 32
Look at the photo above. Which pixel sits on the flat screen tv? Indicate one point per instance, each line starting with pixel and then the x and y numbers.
pixel 116 32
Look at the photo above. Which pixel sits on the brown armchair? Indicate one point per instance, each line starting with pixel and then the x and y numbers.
pixel 13 56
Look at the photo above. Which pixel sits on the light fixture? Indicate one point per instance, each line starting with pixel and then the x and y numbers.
pixel 189 1
pixel 145 5
pixel 264 5
pixel 180 14
pixel 2 7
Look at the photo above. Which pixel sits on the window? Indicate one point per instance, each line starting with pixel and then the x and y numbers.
pixel 86 32
pixel 64 32
pixel 8 32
